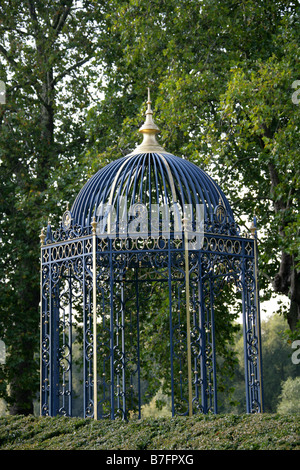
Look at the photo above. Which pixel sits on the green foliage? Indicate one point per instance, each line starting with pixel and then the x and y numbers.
pixel 231 432
pixel 260 147
pixel 42 48
pixel 277 368
pixel 289 398
pixel 277 362
pixel 222 87
pixel 221 76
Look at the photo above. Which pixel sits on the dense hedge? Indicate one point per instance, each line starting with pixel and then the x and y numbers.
pixel 250 432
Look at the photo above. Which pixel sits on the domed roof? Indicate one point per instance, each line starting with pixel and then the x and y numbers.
pixel 146 180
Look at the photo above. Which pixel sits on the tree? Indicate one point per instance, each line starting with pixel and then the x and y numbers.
pixel 260 149
pixel 44 46
pixel 197 57
pixel 277 362
pixel 289 398
pixel 278 369
pixel 222 76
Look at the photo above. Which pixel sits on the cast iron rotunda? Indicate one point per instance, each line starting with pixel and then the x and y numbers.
pixel 135 268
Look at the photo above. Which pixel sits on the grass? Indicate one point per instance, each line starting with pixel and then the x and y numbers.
pixel 213 432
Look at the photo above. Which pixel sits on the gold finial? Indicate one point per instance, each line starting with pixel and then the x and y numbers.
pixel 42 236
pixel 149 126
pixel 149 129
pixel 94 225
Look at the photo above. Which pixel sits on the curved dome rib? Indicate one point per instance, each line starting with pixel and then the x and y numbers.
pixel 149 178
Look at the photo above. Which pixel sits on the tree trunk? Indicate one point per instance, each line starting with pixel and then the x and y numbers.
pixel 287 280
pixel 44 28
pixel 21 394
pixel 294 313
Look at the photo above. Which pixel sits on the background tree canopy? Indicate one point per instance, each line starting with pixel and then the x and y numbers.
pixel 76 72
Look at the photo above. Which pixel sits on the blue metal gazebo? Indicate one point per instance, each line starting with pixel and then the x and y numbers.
pixel 147 219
